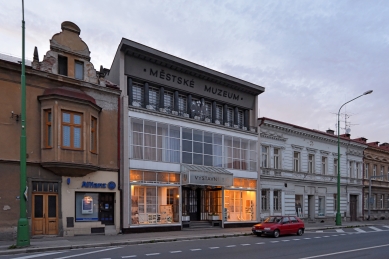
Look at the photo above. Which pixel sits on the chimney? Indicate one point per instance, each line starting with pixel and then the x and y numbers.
pixel 361 139
pixel 384 145
pixel 330 131
pixel 374 144
pixel 347 135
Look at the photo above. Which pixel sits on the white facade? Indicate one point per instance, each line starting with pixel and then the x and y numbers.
pixel 304 181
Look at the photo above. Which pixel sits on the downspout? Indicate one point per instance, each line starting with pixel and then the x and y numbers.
pixel 118 165
pixel 259 170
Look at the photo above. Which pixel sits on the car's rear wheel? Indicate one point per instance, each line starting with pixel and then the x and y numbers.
pixel 276 233
pixel 300 232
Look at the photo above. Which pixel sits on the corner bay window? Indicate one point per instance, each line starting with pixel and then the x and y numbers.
pixel 93 135
pixel 48 129
pixel 71 130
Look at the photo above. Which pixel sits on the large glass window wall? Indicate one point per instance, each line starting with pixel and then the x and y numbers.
pixel 150 140
pixel 240 205
pixel 154 197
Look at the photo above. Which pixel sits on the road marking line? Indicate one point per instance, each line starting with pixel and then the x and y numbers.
pixel 320 231
pixel 245 244
pixel 174 252
pixel 231 246
pixel 343 252
pixel 128 256
pixel 317 237
pixel 153 254
pixel 274 241
pixel 376 229
pixel 285 240
pixel 307 238
pixel 261 243
pixel 296 239
pixel 326 236
pixel 37 255
pixel 214 247
pixel 93 252
pixel 339 230
pixel 197 249
pixel 359 230
pixel 386 226
pixel 334 235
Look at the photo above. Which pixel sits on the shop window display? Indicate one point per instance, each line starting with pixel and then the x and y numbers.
pixel 240 205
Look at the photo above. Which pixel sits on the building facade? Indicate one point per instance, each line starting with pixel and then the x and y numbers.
pixel 376 179
pixel 299 172
pixel 189 142
pixel 72 129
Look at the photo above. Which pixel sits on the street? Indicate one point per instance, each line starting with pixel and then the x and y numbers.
pixel 361 242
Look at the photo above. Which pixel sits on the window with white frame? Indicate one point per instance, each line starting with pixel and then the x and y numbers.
pixel 168 101
pixel 382 173
pixel 357 165
pixel 374 201
pixel 366 203
pixel 296 161
pixel 277 200
pixel 311 163
pixel 137 94
pixel 265 156
pixel 321 205
pixel 366 171
pixel 324 165
pixel 276 158
pixel 265 204
pixel 335 166
pixel 351 169
pixel 375 170
pixel 381 201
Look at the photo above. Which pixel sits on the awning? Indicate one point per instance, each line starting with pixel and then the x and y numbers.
pixel 206 175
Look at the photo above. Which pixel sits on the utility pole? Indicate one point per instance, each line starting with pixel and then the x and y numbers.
pixel 23 235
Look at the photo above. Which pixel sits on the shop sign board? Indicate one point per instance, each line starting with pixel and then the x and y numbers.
pixel 111 185
pixel 207 178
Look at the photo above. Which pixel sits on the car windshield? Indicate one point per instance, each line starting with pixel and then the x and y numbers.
pixel 272 220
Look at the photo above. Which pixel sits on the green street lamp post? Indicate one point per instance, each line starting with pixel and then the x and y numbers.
pixel 23 236
pixel 338 216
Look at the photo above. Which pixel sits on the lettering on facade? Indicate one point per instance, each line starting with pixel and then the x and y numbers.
pixel 93 185
pixel 191 83
pixel 221 92
pixel 170 77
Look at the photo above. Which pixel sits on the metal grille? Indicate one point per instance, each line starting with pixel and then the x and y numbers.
pixel 181 105
pixel 219 113
pixel 168 100
pixel 153 97
pixel 137 93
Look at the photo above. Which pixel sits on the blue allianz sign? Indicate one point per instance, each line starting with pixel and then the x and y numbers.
pixel 111 185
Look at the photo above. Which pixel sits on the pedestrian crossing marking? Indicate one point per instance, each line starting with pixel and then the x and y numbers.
pixel 386 226
pixel 339 230
pixel 320 231
pixel 359 230
pixel 376 229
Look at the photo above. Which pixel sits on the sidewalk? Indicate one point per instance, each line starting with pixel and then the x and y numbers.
pixel 42 244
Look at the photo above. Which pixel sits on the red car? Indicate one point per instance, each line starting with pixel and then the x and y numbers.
pixel 279 225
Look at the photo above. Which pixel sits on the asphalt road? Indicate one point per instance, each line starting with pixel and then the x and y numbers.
pixel 364 242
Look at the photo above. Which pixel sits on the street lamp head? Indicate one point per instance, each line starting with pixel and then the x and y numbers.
pixel 368 92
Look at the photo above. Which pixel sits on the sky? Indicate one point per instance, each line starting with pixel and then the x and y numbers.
pixel 310 56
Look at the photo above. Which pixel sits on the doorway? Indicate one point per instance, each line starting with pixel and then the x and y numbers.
pixel 191 202
pixel 311 207
pixel 106 208
pixel 44 214
pixel 353 207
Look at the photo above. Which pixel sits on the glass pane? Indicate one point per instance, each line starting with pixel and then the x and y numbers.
pixel 197 147
pixel 174 131
pixel 137 125
pixel 162 129
pixel 79 70
pixel 186 133
pixel 66 117
pixel 217 139
pixel 77 119
pixel 45 187
pixel 197 159
pixel 208 149
pixel 52 206
pixel 38 206
pixel 197 135
pixel 66 136
pixel 187 145
pixel 150 127
pixel 137 138
pixel 174 156
pixel 186 158
pixel 208 137
pixel 49 135
pixel 55 187
pixel 208 160
pixel 49 116
pixel 77 138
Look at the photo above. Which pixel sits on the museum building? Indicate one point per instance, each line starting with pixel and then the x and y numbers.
pixel 189 142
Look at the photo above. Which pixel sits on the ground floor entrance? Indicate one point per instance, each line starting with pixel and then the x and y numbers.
pixel 200 202
pixel 44 214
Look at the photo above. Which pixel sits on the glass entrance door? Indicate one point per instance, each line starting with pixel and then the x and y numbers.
pixel 191 203
pixel 106 208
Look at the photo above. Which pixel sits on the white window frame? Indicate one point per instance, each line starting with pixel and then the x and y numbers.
pixel 367 171
pixel 265 156
pixel 374 170
pixel 335 166
pixel 311 163
pixel 296 161
pixel 324 166
pixel 351 169
pixel 276 158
